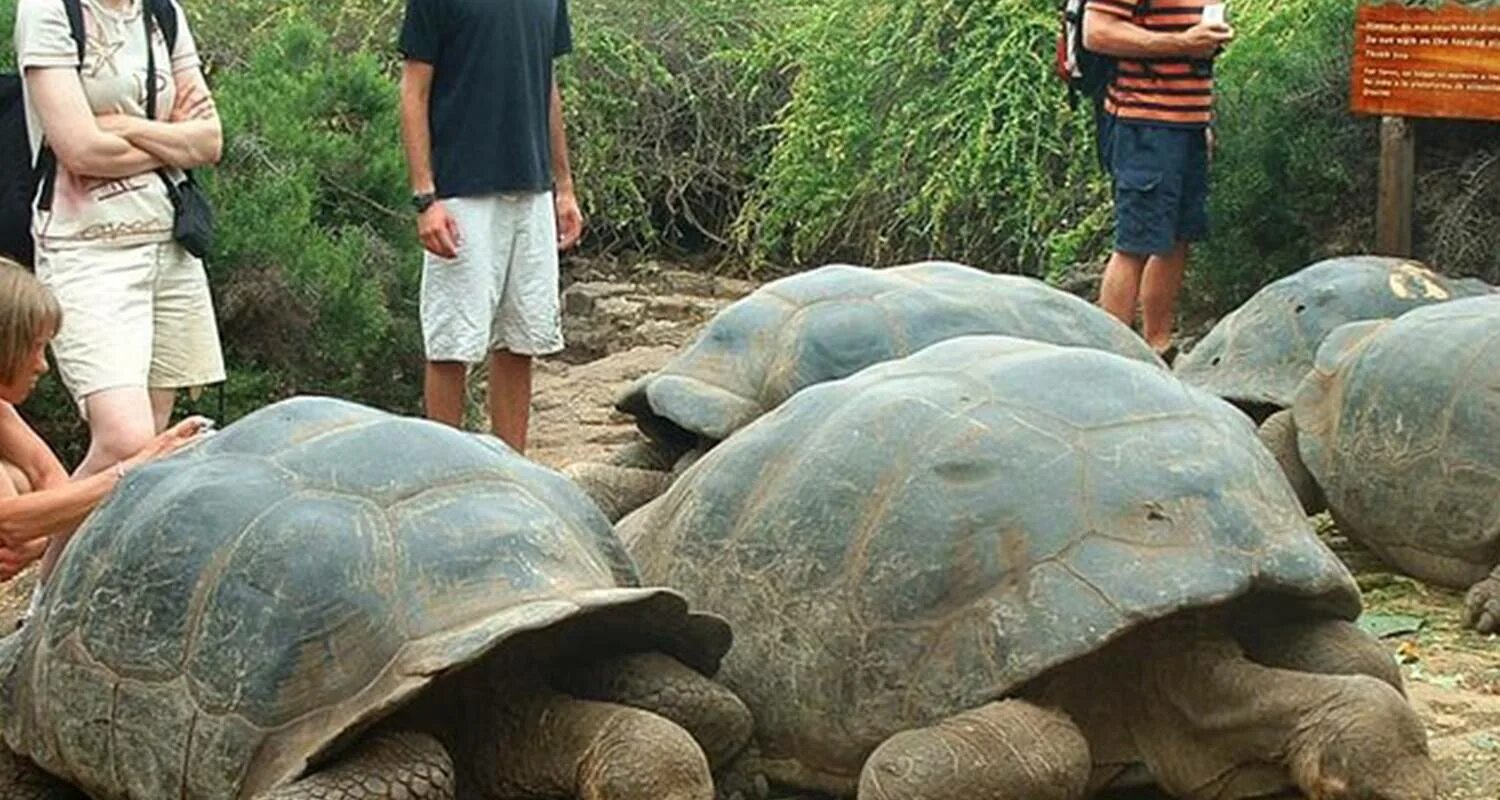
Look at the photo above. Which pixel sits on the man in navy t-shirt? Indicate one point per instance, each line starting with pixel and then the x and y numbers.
pixel 481 120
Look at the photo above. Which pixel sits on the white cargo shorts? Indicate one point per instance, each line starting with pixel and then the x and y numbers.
pixel 501 292
pixel 132 316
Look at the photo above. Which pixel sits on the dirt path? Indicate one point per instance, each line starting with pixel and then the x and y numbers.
pixel 617 331
pixel 1453 674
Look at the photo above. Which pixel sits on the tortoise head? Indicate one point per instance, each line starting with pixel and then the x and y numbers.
pixel 1367 745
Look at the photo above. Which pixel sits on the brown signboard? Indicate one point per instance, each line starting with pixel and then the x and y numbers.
pixel 1428 58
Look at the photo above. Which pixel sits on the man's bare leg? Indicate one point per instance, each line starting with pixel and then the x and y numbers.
pixel 1160 285
pixel 444 392
pixel 1119 292
pixel 510 397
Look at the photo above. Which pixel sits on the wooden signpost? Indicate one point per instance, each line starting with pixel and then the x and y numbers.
pixel 1420 58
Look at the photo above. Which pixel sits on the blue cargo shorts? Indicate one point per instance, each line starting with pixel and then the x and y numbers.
pixel 1160 176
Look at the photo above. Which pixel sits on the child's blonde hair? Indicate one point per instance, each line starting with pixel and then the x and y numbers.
pixel 27 311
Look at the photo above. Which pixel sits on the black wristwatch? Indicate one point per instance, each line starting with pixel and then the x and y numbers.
pixel 423 201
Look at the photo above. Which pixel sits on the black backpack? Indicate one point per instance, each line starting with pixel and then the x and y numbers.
pixel 1087 74
pixel 21 181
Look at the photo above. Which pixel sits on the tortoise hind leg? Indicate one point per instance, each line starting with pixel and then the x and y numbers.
pixel 1325 647
pixel 1482 605
pixel 22 780
pixel 652 454
pixel 412 766
pixel 1006 749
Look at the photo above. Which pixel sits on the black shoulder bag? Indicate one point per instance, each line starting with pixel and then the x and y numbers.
pixel 192 216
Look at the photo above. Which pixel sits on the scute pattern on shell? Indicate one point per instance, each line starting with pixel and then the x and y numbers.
pixel 930 533
pixel 1260 352
pixel 230 611
pixel 833 321
pixel 1400 425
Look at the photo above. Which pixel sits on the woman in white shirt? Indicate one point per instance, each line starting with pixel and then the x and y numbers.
pixel 139 323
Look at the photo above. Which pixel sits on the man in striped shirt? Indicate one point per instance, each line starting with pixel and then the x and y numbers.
pixel 1154 139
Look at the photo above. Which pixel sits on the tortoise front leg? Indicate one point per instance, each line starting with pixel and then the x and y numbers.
pixel 1279 434
pixel 553 745
pixel 22 780
pixel 1482 605
pixel 1010 749
pixel 616 490
pixel 409 766
pixel 715 717
pixel 656 682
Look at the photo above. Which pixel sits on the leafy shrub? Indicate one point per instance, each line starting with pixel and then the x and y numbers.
pixel 927 128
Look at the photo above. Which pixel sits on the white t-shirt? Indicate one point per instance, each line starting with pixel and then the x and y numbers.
pixel 89 212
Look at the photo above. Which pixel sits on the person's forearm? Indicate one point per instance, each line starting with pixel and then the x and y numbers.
pixel 52 511
pixel 108 156
pixel 184 145
pixel 416 137
pixel 1113 36
pixel 562 171
pixel 47 476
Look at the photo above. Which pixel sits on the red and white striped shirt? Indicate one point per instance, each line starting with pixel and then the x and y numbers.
pixel 1173 91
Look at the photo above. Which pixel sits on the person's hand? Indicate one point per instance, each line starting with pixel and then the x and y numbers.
pixel 439 231
pixel 14 560
pixel 1204 40
pixel 569 219
pixel 195 103
pixel 1212 141
pixel 169 441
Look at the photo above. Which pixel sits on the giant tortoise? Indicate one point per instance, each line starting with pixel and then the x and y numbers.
pixel 326 601
pixel 1397 428
pixel 822 325
pixel 1257 355
pixel 1003 568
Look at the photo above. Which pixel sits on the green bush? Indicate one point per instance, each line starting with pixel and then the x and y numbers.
pixel 667 103
pixel 935 128
pixel 317 264
pixel 1294 173
pixel 7 35
pixel 927 128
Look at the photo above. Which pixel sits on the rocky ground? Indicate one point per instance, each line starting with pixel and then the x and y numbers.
pixel 622 329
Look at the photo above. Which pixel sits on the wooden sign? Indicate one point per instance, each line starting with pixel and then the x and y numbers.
pixel 1428 58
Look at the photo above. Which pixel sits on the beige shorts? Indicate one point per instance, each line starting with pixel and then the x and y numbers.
pixel 501 293
pixel 132 316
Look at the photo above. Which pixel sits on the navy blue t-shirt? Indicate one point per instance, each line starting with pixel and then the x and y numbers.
pixel 491 89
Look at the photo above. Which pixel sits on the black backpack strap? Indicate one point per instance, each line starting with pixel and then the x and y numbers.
pixel 75 25
pixel 151 92
pixel 44 174
pixel 165 12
